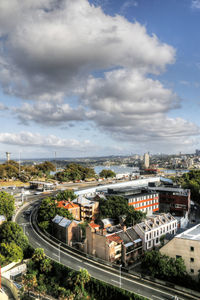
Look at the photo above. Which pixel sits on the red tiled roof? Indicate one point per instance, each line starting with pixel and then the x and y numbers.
pixel 67 204
pixel 93 225
pixel 114 238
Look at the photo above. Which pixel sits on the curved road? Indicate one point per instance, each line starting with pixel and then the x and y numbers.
pixel 107 274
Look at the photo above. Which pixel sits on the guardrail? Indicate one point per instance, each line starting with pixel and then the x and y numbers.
pixel 71 250
pixel 112 267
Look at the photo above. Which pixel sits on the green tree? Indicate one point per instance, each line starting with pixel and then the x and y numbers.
pixel 163 266
pixel 82 278
pixel 41 286
pixel 7 206
pixel 12 232
pixel 48 210
pixel 38 255
pixel 107 174
pixel 29 282
pixel 133 216
pixel 75 172
pixel 45 265
pixel 66 195
pixel 46 166
pixel 115 206
pixel 11 252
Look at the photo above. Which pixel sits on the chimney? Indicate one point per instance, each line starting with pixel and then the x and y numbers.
pixel 124 228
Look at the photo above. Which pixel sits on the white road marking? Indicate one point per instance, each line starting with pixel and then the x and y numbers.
pixel 115 281
pixel 148 287
pixel 38 243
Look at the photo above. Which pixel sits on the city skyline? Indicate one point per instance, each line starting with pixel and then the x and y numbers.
pixel 95 78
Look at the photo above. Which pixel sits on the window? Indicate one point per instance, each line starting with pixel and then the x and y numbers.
pixel 191 259
pixel 192 270
pixel 178 256
pixel 191 248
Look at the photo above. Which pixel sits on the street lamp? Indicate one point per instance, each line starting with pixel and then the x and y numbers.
pixel 120 277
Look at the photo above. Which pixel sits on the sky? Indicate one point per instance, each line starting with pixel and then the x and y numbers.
pixel 85 78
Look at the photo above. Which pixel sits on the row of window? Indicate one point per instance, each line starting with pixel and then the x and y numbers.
pixel 148 203
pixel 157 240
pixel 135 199
pixel 146 209
pixel 162 230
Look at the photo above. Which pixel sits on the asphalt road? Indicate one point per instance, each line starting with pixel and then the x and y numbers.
pixel 106 274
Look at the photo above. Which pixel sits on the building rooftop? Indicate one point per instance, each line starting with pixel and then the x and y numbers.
pixel 155 221
pixel 63 222
pixel 83 201
pixel 67 204
pixel 57 219
pixel 179 191
pixel 190 234
pixel 93 225
pixel 114 238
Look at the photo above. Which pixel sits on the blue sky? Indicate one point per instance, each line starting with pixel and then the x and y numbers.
pixel 94 78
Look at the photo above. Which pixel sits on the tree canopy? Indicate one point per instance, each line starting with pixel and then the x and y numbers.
pixel 12 232
pixel 75 172
pixel 190 180
pixel 66 195
pixel 163 266
pixel 49 209
pixel 107 173
pixel 11 251
pixel 115 206
pixel 7 206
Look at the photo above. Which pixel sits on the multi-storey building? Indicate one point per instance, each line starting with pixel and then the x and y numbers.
pixel 113 244
pixel 187 246
pixel 146 160
pixel 88 209
pixel 173 200
pixel 141 199
pixel 152 229
pixel 73 208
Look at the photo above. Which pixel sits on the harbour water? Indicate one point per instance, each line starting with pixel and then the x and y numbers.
pixel 117 169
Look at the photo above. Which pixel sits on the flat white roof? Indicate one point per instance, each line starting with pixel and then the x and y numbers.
pixel 191 234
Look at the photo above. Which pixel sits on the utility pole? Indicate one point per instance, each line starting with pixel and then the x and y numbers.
pixel 120 276
pixel 19 161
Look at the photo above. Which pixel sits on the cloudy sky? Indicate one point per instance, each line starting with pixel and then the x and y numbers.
pixel 99 77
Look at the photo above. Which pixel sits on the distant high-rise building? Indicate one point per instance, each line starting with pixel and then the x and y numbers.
pixel 197 152
pixel 146 160
pixel 8 156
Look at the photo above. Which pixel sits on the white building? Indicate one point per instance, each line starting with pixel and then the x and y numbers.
pixel 151 230
pixel 146 160
pixel 187 246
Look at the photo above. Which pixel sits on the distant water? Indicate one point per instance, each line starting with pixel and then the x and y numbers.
pixel 117 169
